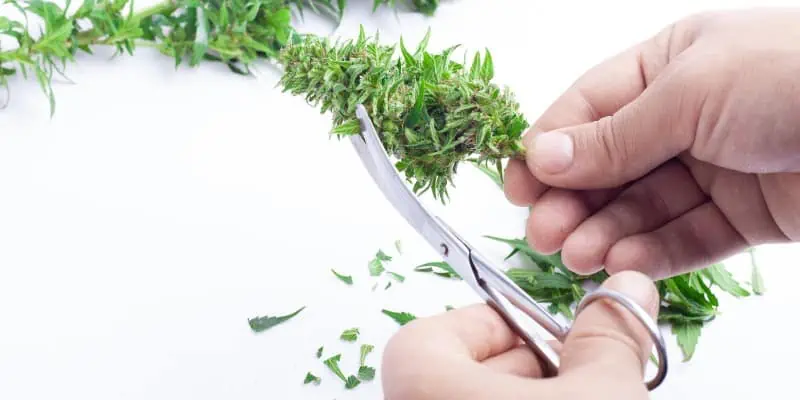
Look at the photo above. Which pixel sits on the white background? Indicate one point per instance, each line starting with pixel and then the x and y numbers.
pixel 159 209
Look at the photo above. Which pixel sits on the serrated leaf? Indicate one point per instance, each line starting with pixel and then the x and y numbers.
pixel 350 335
pixel 344 278
pixel 401 318
pixel 722 278
pixel 260 324
pixel 366 373
pixel 351 382
pixel 688 334
pixel 439 268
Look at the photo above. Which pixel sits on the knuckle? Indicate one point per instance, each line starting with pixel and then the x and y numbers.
pixel 609 339
pixel 615 147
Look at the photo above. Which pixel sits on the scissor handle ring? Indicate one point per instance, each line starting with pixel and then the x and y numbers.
pixel 644 318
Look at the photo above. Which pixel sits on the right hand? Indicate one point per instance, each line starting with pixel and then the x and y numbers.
pixel 674 154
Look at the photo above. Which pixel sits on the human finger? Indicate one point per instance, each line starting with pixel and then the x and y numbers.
pixel 698 238
pixel 557 213
pixel 644 112
pixel 651 202
pixel 520 361
pixel 606 339
pixel 443 357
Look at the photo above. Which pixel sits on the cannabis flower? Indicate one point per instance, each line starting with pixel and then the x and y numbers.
pixel 431 112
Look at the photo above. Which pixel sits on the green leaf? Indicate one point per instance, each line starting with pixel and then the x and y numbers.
pixel 375 265
pixel 396 276
pixel 366 373
pixel 351 382
pixel 756 280
pixel 319 351
pixel 410 60
pixel 200 45
pixel 398 245
pixel 722 278
pixel 688 334
pixel 350 335
pixel 401 318
pixel 311 378
pixel 281 18
pixel 350 127
pixel 333 364
pixel 494 175
pixel 365 350
pixel 260 324
pixel 344 278
pixel 488 67
pixel 439 268
pixel 380 255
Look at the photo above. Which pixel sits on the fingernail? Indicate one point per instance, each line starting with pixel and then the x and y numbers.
pixel 552 152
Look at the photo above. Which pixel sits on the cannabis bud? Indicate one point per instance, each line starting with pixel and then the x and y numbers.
pixel 431 113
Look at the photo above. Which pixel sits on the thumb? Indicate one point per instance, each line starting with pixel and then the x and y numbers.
pixel 619 148
pixel 606 339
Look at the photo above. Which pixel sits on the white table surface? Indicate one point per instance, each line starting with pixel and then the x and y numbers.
pixel 159 209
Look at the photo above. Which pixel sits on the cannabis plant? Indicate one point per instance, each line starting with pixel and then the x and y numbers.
pixel 235 32
pixel 431 112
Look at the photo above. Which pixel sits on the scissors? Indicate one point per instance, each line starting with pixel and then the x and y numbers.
pixel 487 280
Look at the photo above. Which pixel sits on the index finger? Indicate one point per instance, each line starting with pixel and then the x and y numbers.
pixel 598 93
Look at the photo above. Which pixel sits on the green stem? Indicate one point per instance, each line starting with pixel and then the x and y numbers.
pixel 90 37
pixel 167 7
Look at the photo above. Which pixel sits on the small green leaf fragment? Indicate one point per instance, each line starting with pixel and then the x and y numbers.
pixel 756 280
pixel 366 373
pixel 319 351
pixel 439 268
pixel 398 245
pixel 380 255
pixel 449 308
pixel 260 324
pixel 396 276
pixel 365 350
pixel 311 378
pixel 333 364
pixel 351 382
pixel 401 318
pixel 375 265
pixel 344 278
pixel 350 335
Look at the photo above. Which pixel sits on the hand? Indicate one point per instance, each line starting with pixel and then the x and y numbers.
pixel 471 354
pixel 674 154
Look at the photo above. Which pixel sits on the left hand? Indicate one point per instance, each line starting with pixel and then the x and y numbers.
pixel 471 354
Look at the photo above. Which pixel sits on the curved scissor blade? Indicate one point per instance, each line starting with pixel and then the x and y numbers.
pixel 434 230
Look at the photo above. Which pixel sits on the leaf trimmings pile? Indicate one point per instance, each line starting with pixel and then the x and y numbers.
pixel 431 112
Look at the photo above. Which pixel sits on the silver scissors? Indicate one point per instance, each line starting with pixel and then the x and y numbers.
pixel 490 283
